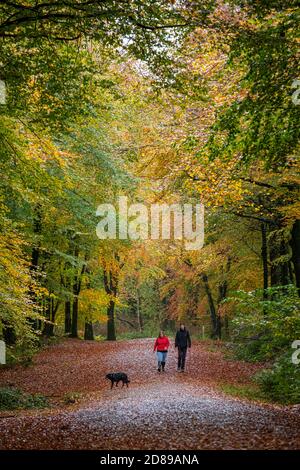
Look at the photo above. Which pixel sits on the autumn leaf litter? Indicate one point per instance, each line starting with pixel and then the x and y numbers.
pixel 157 411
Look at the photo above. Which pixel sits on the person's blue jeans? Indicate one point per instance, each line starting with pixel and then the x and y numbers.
pixel 161 356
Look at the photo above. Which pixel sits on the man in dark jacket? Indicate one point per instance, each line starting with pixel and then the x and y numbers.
pixel 182 342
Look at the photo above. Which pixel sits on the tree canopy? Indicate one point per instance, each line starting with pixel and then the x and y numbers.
pixel 161 101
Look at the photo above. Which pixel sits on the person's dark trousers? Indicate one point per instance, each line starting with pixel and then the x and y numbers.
pixel 181 357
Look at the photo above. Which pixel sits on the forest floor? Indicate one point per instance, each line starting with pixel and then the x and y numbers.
pixel 169 410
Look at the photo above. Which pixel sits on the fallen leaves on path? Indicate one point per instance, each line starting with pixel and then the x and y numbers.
pixel 80 366
pixel 157 411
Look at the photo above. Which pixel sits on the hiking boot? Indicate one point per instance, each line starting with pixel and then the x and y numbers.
pixel 163 366
pixel 178 369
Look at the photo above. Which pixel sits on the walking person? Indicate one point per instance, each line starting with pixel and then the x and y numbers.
pixel 182 342
pixel 161 346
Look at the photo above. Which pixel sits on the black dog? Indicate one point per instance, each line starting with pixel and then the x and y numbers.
pixel 118 377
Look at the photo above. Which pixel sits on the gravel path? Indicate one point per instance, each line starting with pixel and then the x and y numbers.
pixel 157 411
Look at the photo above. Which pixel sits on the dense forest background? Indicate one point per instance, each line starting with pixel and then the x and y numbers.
pixel 161 101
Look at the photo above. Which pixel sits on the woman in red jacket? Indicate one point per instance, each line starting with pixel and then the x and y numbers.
pixel 161 346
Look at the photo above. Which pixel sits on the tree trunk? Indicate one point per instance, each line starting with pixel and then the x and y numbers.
pixel 275 272
pixel 216 328
pixel 285 272
pixel 66 282
pixel 47 315
pixel 88 331
pixel 51 314
pixel 68 318
pixel 76 292
pixel 74 325
pixel 35 255
pixel 295 245
pixel 226 325
pixel 278 259
pixel 264 256
pixel 223 286
pixel 138 311
pixel 111 287
pixel 9 334
pixel 37 230
pixel 111 330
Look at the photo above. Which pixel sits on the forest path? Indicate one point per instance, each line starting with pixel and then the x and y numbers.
pixel 157 411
